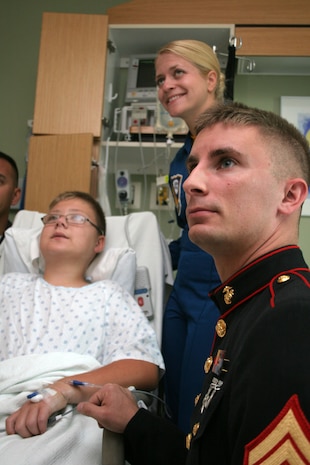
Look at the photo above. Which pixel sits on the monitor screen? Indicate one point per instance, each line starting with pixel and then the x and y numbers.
pixel 141 85
pixel 146 73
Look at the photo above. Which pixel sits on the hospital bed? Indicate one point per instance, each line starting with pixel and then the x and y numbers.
pixel 136 255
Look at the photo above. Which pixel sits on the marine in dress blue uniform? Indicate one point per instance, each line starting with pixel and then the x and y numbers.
pixel 248 410
pixel 190 315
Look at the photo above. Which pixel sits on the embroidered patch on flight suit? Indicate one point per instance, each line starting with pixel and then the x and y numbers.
pixel 286 440
pixel 176 188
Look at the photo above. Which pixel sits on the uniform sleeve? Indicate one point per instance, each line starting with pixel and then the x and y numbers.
pixel 271 371
pixel 152 440
pixel 175 247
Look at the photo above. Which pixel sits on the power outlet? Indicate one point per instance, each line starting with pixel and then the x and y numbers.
pixel 122 182
pixel 135 196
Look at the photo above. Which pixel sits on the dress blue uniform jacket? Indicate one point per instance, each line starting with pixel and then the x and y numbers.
pixel 255 400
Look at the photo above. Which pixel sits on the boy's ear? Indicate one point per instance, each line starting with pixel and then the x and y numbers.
pixel 100 244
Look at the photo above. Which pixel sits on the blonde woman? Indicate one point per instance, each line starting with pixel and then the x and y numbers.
pixel 189 81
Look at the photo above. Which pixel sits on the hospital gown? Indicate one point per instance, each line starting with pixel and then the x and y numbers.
pixel 49 332
pixel 99 319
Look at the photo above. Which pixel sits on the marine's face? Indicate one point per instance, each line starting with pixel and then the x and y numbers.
pixel 232 193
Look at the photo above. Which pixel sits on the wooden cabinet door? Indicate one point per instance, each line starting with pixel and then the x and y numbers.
pixel 71 71
pixel 57 164
pixel 259 12
pixel 273 41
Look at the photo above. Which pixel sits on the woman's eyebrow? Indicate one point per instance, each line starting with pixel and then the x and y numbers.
pixel 171 68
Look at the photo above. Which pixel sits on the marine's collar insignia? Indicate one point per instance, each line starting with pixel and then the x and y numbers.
pixel 286 440
pixel 228 293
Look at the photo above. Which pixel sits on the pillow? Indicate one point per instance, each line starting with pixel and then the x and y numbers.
pixel 21 253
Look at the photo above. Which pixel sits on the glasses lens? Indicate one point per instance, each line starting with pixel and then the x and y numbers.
pixel 49 219
pixel 75 218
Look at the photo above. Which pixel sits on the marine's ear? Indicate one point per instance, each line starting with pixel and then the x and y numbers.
pixel 296 192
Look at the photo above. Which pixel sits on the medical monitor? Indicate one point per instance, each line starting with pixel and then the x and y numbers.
pixel 141 85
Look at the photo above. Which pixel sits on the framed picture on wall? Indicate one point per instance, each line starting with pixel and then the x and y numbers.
pixel 297 111
pixel 306 206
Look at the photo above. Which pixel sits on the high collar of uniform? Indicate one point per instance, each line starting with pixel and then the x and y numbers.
pixel 254 277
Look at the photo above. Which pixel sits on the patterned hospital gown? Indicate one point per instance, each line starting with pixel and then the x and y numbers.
pixel 100 319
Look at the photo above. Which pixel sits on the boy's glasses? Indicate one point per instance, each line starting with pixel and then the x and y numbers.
pixel 71 218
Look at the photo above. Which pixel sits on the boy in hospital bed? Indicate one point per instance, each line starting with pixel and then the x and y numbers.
pixel 58 328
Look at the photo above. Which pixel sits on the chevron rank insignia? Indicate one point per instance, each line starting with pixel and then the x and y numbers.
pixel 285 441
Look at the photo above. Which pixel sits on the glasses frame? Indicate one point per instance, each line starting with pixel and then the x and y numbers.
pixel 57 216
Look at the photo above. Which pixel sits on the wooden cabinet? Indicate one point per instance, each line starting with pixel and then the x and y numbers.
pixel 71 72
pixel 58 163
pixel 267 28
pixel 67 121
pixel 239 12
pixel 274 41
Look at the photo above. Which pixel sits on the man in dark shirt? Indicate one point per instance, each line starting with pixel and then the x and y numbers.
pixel 9 190
pixel 249 173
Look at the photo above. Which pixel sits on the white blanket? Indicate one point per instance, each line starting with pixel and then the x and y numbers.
pixel 73 439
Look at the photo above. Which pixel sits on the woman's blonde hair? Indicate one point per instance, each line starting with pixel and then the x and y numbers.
pixel 200 55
